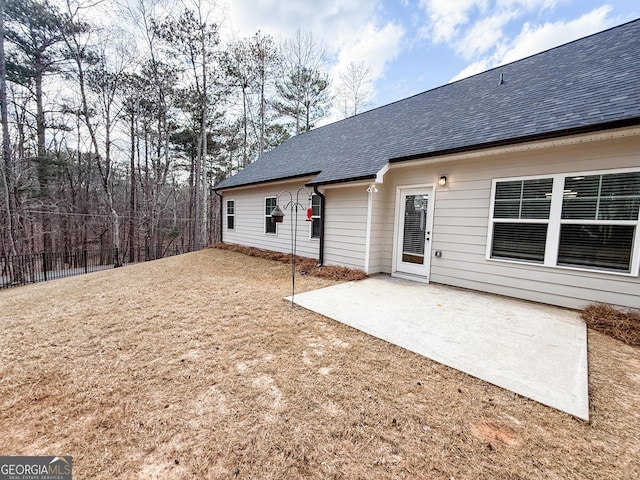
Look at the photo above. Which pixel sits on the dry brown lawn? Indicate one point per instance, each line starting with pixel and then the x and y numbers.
pixel 195 367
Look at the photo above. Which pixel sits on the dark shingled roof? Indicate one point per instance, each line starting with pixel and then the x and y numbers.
pixel 586 85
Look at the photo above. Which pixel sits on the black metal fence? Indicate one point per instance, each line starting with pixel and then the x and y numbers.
pixel 40 267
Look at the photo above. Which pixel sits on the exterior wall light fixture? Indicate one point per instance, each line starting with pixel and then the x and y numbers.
pixel 442 181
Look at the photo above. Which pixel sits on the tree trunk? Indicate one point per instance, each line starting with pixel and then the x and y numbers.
pixel 197 174
pixel 106 180
pixel 244 127
pixel 262 106
pixel 115 224
pixel 103 169
pixel 8 170
pixel 42 168
pixel 132 189
pixel 203 132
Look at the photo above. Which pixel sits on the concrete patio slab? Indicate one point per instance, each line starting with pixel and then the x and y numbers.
pixel 535 350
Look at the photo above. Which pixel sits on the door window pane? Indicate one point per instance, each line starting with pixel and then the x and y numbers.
pixel 415 221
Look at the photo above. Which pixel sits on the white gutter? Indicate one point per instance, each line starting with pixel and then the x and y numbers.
pixel 380 174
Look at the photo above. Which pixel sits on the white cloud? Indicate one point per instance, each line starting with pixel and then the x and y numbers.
pixel 533 39
pixel 529 4
pixel 476 67
pixel 451 20
pixel 351 29
pixel 325 19
pixel 446 16
pixel 375 46
pixel 483 35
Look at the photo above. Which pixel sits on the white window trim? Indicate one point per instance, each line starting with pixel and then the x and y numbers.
pixel 264 225
pixel 314 217
pixel 555 221
pixel 227 214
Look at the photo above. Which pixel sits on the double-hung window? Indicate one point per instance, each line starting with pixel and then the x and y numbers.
pixel 587 221
pixel 269 225
pixel 599 221
pixel 231 214
pixel 521 219
pixel 315 216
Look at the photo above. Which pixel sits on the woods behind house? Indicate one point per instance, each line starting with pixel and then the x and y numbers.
pixel 119 117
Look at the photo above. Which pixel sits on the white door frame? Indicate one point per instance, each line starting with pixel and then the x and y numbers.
pixel 400 269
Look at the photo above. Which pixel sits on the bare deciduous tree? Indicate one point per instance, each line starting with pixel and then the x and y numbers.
pixel 303 86
pixel 354 91
pixel 99 134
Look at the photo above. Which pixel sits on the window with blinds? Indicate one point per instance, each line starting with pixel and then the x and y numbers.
pixel 415 219
pixel 315 216
pixel 588 221
pixel 231 214
pixel 269 225
pixel 520 219
pixel 599 220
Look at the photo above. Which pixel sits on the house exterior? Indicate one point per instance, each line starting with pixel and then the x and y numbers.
pixel 522 181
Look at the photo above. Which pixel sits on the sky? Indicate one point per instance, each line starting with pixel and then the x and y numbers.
pixel 415 45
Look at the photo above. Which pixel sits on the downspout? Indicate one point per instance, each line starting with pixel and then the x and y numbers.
pixel 221 213
pixel 322 214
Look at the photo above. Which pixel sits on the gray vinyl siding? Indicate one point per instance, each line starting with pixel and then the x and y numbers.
pixel 345 226
pixel 461 221
pixel 250 220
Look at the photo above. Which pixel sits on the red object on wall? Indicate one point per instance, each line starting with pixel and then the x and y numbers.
pixel 309 214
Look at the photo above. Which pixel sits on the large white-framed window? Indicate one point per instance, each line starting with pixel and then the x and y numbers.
pixel 231 214
pixel 521 218
pixel 270 226
pixel 585 220
pixel 315 216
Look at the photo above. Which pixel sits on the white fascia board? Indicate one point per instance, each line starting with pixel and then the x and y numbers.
pixel 270 183
pixel 523 147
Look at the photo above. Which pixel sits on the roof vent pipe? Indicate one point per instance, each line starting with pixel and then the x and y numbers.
pixel 501 82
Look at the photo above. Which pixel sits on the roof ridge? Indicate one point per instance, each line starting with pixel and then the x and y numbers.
pixel 554 94
pixel 484 72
